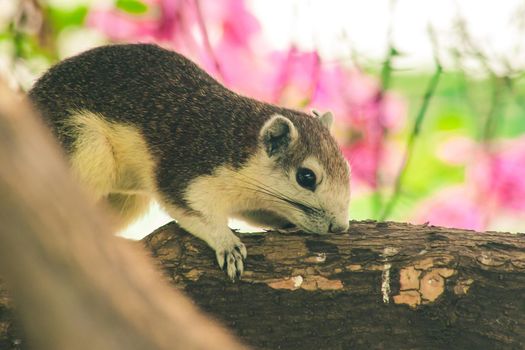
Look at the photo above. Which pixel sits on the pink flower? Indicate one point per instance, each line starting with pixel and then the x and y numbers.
pixel 237 24
pixel 286 78
pixel 346 92
pixel 364 116
pixel 457 150
pixel 118 26
pixel 500 174
pixel 363 160
pixel 217 34
pixel 228 31
pixel 495 180
pixel 452 207
pixel 168 22
pixel 294 77
pixel 177 21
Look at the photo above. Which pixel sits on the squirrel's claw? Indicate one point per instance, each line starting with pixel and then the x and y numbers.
pixel 231 260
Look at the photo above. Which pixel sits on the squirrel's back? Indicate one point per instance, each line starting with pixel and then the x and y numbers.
pixel 140 84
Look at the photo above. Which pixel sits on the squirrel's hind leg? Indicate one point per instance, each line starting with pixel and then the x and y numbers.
pixel 128 207
pixel 112 161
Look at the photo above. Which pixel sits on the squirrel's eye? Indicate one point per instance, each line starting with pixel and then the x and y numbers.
pixel 306 178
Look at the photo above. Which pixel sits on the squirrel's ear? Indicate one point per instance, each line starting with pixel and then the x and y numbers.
pixel 277 134
pixel 326 118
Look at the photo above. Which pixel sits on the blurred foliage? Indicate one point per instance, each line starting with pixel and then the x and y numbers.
pixel 485 112
pixel 132 6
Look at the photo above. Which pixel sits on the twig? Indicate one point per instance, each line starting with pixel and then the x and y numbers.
pixel 431 88
pixel 510 84
pixel 386 75
pixel 463 83
pixel 495 110
pixel 206 40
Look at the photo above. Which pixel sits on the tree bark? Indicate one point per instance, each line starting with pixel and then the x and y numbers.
pixel 381 286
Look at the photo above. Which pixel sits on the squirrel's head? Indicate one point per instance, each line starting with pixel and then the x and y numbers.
pixel 306 178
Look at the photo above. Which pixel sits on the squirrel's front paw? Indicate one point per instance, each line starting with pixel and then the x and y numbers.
pixel 231 259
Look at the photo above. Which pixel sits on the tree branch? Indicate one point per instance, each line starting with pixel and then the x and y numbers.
pixel 382 285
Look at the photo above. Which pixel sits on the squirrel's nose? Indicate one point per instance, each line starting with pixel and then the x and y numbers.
pixel 338 227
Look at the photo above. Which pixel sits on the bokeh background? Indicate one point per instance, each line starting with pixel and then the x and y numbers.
pixel 428 95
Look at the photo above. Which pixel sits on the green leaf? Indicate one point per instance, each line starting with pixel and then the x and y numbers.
pixel 132 6
pixel 62 18
pixel 450 121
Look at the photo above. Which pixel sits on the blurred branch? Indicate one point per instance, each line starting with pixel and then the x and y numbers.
pixel 431 88
pixel 283 76
pixel 501 83
pixel 495 109
pixel 30 33
pixel 314 80
pixel 27 21
pixel 463 83
pixel 386 75
pixel 94 290
pixel 206 39
pixel 510 85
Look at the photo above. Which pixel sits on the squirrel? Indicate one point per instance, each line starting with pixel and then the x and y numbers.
pixel 139 122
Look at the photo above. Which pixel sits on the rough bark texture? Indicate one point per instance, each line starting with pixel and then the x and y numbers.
pixel 381 286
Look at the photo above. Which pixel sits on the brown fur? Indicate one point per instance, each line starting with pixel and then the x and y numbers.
pixel 140 123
